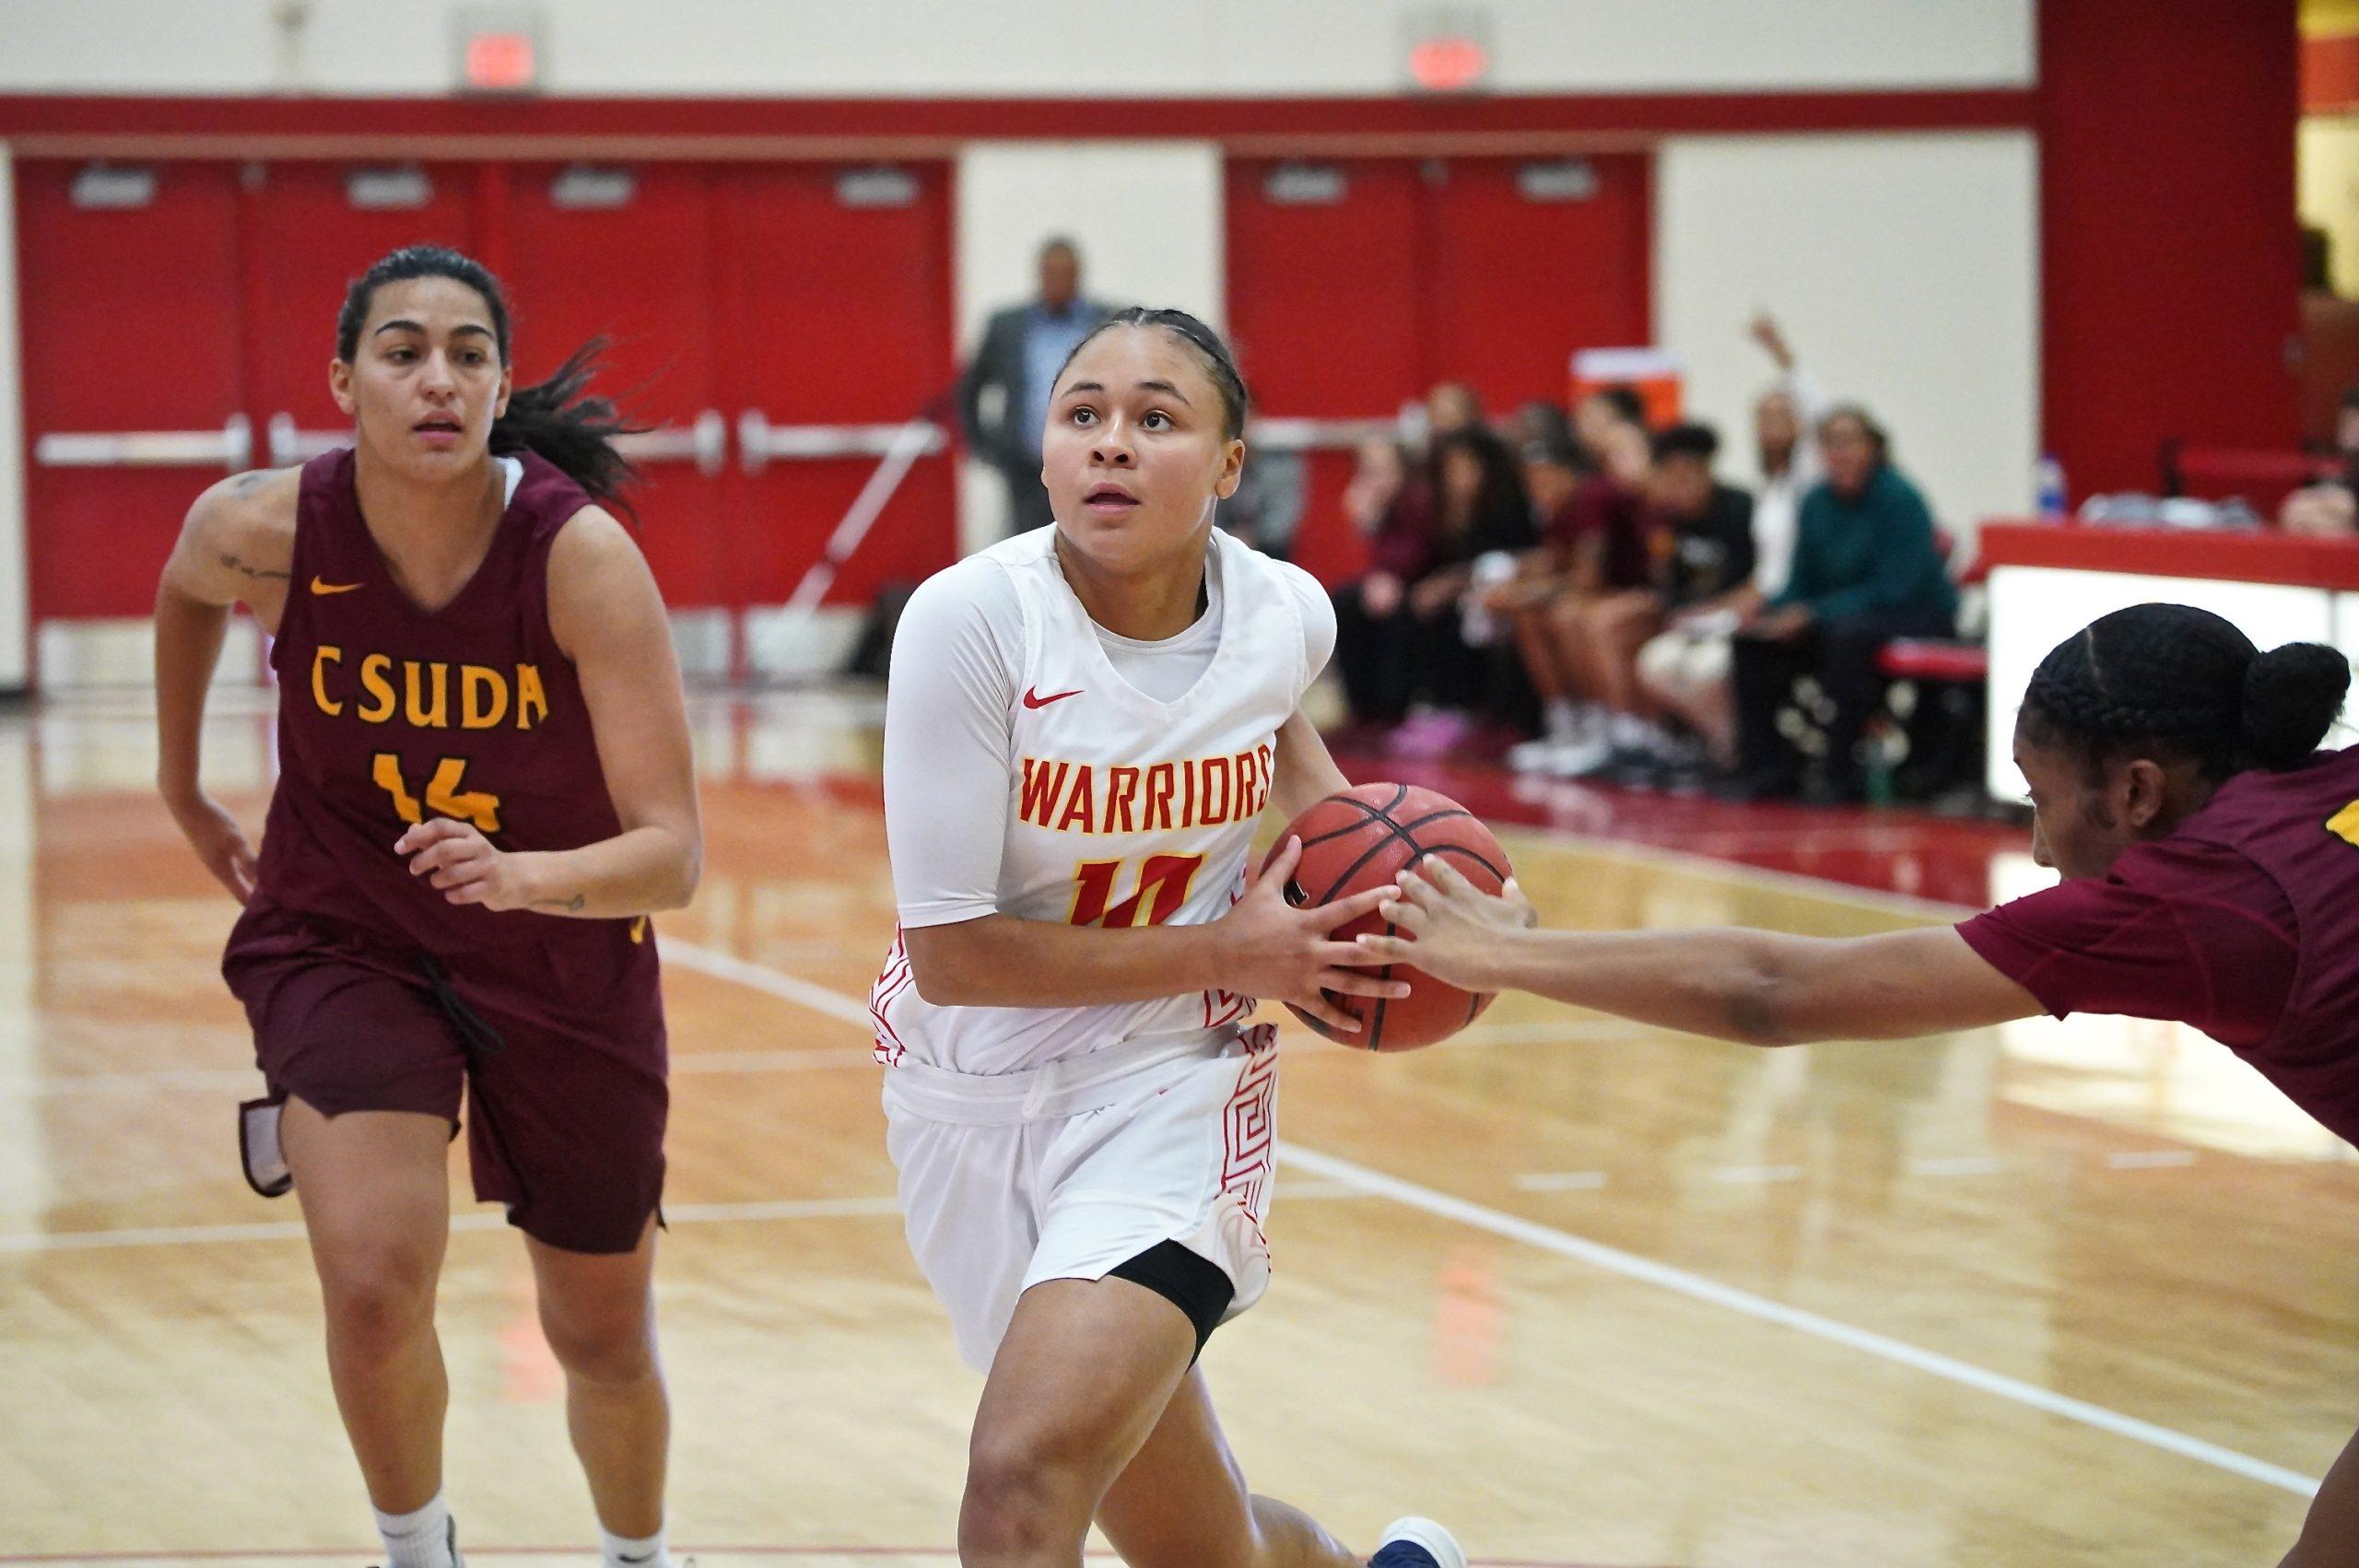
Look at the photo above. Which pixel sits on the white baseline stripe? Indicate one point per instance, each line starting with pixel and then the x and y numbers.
pixel 1564 1244
pixel 292 1230
pixel 1932 909
pixel 243 1081
pixel 761 978
pixel 674 1214
pixel 1695 1286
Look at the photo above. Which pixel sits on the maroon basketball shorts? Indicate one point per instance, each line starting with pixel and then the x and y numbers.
pixel 556 1048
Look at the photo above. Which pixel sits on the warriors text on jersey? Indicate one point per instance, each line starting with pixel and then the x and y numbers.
pixel 1039 766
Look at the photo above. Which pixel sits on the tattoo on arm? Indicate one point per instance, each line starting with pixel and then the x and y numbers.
pixel 570 905
pixel 236 565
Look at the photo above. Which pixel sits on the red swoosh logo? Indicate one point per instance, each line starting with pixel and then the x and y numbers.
pixel 1032 697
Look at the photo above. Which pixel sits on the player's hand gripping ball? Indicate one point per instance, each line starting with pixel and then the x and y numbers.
pixel 1367 837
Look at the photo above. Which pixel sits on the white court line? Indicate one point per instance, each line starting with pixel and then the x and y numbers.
pixel 292 1230
pixel 1646 1270
pixel 248 1081
pixel 761 978
pixel 858 1208
pixel 1933 909
pixel 2151 1159
pixel 1557 1181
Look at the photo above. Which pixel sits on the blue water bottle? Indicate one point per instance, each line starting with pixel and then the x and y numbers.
pixel 2051 488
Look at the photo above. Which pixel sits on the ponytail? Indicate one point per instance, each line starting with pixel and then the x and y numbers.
pixel 574 433
pixel 2291 696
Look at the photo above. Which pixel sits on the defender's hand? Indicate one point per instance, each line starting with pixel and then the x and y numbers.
pixel 1452 930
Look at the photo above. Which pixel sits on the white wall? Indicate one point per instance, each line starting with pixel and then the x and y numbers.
pixel 1063 48
pixel 15 644
pixel 1147 216
pixel 1906 272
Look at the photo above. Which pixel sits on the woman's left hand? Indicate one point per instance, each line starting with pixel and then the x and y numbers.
pixel 463 863
pixel 1452 930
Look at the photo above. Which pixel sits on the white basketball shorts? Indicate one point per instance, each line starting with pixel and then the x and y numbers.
pixel 1068 1170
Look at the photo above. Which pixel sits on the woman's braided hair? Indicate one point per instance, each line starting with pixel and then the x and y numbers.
pixel 1219 362
pixel 2183 681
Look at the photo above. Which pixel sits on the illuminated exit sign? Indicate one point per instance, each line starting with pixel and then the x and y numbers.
pixel 498 48
pixel 1447 49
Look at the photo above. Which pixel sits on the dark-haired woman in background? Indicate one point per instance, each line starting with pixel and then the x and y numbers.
pixel 2211 861
pixel 1375 632
pixel 1482 525
pixel 486 788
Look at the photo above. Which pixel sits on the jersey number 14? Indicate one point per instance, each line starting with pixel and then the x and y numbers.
pixel 446 792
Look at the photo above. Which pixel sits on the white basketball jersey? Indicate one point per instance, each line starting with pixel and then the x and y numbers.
pixel 1122 811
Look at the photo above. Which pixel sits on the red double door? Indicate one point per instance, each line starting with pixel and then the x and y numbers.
pixel 808 295
pixel 1356 285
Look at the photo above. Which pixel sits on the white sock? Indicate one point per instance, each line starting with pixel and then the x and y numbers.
pixel 634 1552
pixel 1563 719
pixel 417 1539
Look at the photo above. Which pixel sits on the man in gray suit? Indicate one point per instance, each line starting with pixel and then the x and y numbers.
pixel 1022 348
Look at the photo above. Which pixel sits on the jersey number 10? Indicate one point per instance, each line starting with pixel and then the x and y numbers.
pixel 1163 884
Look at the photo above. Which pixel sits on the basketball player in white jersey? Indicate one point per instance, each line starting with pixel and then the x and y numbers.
pixel 1084 724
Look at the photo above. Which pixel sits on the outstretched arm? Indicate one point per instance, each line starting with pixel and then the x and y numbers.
pixel 1759 988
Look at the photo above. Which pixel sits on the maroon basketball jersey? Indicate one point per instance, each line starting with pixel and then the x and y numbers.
pixel 389 714
pixel 2302 827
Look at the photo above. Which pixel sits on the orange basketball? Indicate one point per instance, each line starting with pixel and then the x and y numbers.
pixel 1365 837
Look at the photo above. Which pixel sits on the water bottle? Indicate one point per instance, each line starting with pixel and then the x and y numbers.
pixel 2051 488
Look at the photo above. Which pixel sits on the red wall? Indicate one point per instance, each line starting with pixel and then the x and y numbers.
pixel 2170 255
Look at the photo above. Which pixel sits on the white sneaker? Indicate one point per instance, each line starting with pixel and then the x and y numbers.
pixel 1418 1543
pixel 1531 756
pixel 1578 759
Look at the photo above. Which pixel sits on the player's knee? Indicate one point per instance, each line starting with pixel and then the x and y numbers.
pixel 377 1302
pixel 615 1346
pixel 1024 1496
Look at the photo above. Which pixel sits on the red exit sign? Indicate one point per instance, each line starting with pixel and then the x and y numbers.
pixel 1449 48
pixel 498 47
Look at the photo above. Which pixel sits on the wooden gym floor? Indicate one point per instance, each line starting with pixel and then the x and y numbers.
pixel 1593 1294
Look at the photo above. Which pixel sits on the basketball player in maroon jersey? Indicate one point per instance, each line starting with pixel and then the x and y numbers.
pixel 485 789
pixel 2211 857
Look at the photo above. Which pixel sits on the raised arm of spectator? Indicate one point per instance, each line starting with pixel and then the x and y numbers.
pixel 1809 404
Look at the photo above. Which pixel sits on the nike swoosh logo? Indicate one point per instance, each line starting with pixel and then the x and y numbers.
pixel 1032 697
pixel 642 1556
pixel 319 587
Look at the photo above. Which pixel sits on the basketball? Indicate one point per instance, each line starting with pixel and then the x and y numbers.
pixel 1367 837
